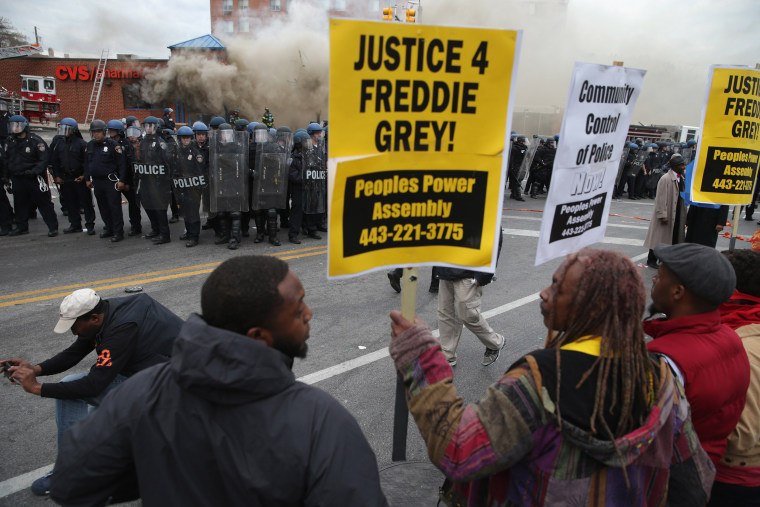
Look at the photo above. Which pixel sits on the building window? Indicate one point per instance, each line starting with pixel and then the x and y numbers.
pixel 242 4
pixel 274 5
pixel 374 6
pixel 244 26
pixel 227 7
pixel 132 99
pixel 340 5
pixel 229 26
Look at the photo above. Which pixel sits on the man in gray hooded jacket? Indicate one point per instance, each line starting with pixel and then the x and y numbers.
pixel 224 422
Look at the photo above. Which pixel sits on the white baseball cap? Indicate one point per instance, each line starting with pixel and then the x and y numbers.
pixel 75 305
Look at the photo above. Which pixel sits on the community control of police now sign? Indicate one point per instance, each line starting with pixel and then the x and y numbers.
pixel 419 117
pixel 591 142
pixel 726 164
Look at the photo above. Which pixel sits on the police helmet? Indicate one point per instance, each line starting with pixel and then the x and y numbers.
pixel 98 126
pixel 226 133
pixel 17 124
pixel 150 125
pixel 521 138
pixel 283 129
pixel 513 136
pixel 299 138
pixel 199 126
pixel 132 120
pixel 654 146
pixel 168 132
pixel 690 143
pixel 633 146
pixel 556 137
pixel 168 110
pixel 301 131
pixel 241 124
pixel 67 126
pixel 186 131
pixel 114 125
pixel 251 126
pixel 260 133
pixel 133 131
pixel 639 141
pixel 161 124
pixel 272 131
pixel 314 128
pixel 549 141
pixel 215 122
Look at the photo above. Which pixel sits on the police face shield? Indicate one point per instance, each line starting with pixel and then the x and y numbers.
pixel 133 132
pixel 16 127
pixel 65 130
pixel 150 128
pixel 285 139
pixel 260 136
pixel 226 136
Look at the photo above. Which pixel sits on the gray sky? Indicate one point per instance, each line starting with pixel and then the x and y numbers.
pixel 83 28
pixel 674 40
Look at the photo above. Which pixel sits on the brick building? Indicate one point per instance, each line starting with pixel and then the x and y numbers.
pixel 74 79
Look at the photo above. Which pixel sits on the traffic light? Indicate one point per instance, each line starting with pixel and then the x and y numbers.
pixel 410 13
pixel 388 13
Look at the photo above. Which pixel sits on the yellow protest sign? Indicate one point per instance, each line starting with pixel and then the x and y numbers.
pixel 419 117
pixel 729 148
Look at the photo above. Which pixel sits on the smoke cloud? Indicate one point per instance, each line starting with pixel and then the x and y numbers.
pixel 285 65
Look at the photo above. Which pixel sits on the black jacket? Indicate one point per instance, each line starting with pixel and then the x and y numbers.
pixel 105 158
pixel 27 156
pixel 223 423
pixel 67 157
pixel 138 332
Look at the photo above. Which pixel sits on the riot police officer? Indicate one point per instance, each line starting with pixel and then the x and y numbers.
pixel 190 178
pixel 6 211
pixel 516 156
pixel 632 165
pixel 215 122
pixel 228 177
pixel 26 166
pixel 315 182
pixel 201 131
pixel 270 182
pixel 295 180
pixel 68 158
pixel 105 170
pixel 116 132
pixel 543 163
pixel 153 173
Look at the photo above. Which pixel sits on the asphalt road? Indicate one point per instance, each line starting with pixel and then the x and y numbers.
pixel 349 331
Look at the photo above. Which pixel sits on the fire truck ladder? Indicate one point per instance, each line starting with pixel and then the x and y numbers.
pixel 97 86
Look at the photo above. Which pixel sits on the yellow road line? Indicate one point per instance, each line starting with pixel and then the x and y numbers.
pixel 136 280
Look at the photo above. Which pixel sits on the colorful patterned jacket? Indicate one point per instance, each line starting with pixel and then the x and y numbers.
pixel 507 449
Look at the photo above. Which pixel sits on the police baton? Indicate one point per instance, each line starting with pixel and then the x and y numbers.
pixel 401 410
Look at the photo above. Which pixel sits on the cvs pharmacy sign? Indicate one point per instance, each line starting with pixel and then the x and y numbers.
pixel 84 73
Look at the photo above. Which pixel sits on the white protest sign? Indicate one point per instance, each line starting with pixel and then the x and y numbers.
pixel 591 142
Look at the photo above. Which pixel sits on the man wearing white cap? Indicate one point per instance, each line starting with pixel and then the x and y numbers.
pixel 128 334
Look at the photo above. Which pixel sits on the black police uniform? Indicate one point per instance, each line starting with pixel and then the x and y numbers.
pixel 105 166
pixel 26 163
pixel 4 133
pixel 516 157
pixel 6 211
pixel 543 163
pixel 135 218
pixel 168 122
pixel 67 157
pixel 196 162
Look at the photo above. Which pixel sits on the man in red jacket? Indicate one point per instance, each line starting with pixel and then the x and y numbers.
pixel 707 356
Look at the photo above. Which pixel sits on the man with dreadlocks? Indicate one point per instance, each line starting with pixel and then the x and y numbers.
pixel 592 419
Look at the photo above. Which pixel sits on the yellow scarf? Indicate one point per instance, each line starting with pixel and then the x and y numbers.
pixel 588 344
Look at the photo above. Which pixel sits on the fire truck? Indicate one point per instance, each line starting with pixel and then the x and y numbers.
pixel 37 100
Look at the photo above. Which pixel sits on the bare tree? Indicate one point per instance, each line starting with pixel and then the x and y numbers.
pixel 9 36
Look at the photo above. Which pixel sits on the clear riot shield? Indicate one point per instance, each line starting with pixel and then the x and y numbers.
pixel 621 167
pixel 527 161
pixel 270 182
pixel 152 170
pixel 687 154
pixel 189 181
pixel 315 179
pixel 228 171
pixel 641 157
